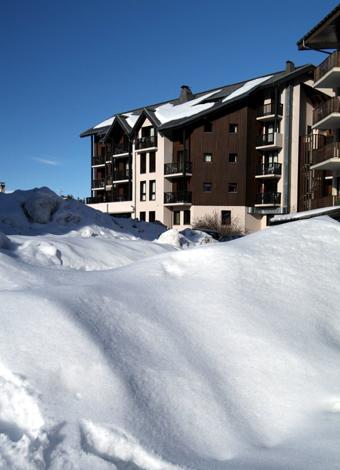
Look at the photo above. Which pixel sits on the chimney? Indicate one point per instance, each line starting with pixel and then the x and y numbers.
pixel 290 66
pixel 185 95
pixel 2 187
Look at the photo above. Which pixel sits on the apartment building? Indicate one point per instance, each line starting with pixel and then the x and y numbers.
pixel 320 148
pixel 234 151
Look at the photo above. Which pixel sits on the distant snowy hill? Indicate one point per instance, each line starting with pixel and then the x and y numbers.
pixel 119 353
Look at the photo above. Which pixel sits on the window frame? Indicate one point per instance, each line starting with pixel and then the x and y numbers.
pixel 142 190
pixel 235 185
pixel 235 155
pixel 152 190
pixel 205 154
pixel 233 128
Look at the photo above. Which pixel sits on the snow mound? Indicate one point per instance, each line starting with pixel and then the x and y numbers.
pixel 222 357
pixel 40 211
pixel 185 238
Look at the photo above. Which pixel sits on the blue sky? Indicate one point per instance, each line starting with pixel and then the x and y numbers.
pixel 67 65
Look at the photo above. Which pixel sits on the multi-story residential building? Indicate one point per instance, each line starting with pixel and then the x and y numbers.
pixel 320 149
pixel 233 151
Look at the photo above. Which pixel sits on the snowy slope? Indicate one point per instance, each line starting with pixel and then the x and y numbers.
pixel 220 357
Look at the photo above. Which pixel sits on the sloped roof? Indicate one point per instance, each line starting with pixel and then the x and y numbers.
pixel 325 34
pixel 172 114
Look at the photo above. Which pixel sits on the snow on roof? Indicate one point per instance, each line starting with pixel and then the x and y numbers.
pixel 131 118
pixel 105 123
pixel 169 112
pixel 246 87
pixel 305 214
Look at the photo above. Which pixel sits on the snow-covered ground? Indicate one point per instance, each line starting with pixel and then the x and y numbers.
pixel 224 356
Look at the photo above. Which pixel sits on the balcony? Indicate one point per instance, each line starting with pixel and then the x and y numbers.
pixel 268 199
pixel 327 115
pixel 97 199
pixel 120 149
pixel 327 75
pixel 268 112
pixel 178 198
pixel 146 142
pixel 327 157
pixel 172 170
pixel 98 160
pixel 121 175
pixel 98 184
pixel 270 141
pixel 268 170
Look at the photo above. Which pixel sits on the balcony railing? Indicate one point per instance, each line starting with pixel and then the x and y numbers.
pixel 268 169
pixel 98 183
pixel 120 148
pixel 146 142
pixel 330 106
pixel 330 150
pixel 268 198
pixel 95 200
pixel 269 109
pixel 98 160
pixel 181 167
pixel 331 61
pixel 178 197
pixel 121 197
pixel 121 175
pixel 265 139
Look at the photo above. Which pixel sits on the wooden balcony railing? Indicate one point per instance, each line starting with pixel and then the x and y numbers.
pixel 330 106
pixel 331 61
pixel 98 160
pixel 330 150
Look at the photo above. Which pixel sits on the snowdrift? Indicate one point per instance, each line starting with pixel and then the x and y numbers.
pixel 220 357
pixel 40 211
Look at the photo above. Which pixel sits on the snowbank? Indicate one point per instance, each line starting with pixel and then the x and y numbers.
pixel 40 211
pixel 220 357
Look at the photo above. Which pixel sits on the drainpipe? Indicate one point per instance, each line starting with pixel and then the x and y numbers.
pixel 287 147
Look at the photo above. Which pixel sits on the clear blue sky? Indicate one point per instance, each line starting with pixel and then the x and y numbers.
pixel 67 65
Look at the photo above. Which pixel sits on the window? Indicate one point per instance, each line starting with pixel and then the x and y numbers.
pixel 143 190
pixel 187 217
pixel 233 128
pixel 148 131
pixel 232 158
pixel 177 217
pixel 143 163
pixel 207 157
pixel 152 162
pixel 208 127
pixel 152 190
pixel 225 217
pixel 232 188
pixel 103 151
pixel 207 187
pixel 142 216
pixel 152 216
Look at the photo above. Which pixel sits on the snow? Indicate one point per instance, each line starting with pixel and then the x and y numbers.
pixel 223 356
pixel 246 87
pixel 131 119
pixel 105 123
pixel 185 239
pixel 170 112
pixel 305 214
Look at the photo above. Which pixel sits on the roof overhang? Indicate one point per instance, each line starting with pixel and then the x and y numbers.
pixel 324 35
